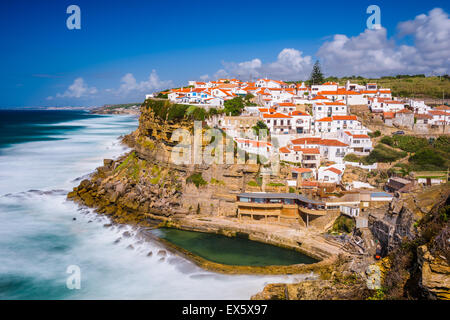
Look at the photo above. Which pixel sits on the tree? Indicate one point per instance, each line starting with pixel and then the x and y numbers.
pixel 260 125
pixel 316 74
pixel 248 97
pixel 233 106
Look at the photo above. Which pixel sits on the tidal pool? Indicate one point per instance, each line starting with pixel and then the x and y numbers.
pixel 235 251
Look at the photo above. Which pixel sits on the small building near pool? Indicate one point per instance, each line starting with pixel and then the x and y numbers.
pixel 279 207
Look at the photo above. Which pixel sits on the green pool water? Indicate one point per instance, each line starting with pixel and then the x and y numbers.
pixel 236 251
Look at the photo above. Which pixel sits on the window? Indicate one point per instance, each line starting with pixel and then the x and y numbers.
pixel 244 199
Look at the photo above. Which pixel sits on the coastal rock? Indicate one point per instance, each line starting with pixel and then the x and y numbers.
pixel 435 273
pixel 162 253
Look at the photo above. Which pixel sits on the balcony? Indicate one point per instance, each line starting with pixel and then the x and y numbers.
pixel 260 205
pixel 313 211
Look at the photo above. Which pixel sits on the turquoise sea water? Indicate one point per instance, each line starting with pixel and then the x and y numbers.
pixel 43 155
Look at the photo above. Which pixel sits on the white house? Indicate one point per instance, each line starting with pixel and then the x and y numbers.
pixel 302 122
pixel 333 150
pixel 379 105
pixel 330 174
pixel 327 86
pixel 308 157
pixel 269 83
pixel 328 109
pixel 278 123
pixel 419 106
pixel 330 149
pixel 262 148
pixel 359 144
pixel 336 123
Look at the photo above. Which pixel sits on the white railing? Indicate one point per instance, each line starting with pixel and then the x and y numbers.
pixel 362 166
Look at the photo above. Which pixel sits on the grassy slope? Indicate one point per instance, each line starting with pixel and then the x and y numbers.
pixel 406 86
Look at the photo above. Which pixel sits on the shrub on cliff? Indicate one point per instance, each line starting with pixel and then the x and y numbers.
pixel 427 159
pixel 382 153
pixel 343 224
pixel 234 106
pixel 196 179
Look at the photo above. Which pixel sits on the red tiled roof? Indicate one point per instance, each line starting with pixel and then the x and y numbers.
pixel 405 111
pixel 388 115
pixel 345 118
pixel 254 143
pixel 333 143
pixel 334 170
pixel 298 113
pixel 301 170
pixel 286 104
pixel 276 115
pixel 311 140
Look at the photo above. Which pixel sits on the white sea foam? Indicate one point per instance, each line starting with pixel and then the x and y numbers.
pixel 39 238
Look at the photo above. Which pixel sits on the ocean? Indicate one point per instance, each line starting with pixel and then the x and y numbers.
pixel 44 237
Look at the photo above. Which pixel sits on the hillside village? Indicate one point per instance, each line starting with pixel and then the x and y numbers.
pixel 314 129
pixel 351 180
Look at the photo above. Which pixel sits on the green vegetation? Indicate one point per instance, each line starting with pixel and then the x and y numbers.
pixel 253 183
pixel 168 111
pixel 427 159
pixel 247 100
pixel 382 153
pixel 426 155
pixel 291 190
pixel 196 179
pixel 351 157
pixel 146 142
pixel 121 106
pixel 130 157
pixel 405 143
pixel 316 74
pixel 276 184
pixel 260 125
pixel 442 144
pixel 416 86
pixel 343 224
pixel 234 106
pixel 217 182
pixel 375 134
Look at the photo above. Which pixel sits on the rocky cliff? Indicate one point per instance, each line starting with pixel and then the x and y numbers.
pixel 147 181
pixel 414 233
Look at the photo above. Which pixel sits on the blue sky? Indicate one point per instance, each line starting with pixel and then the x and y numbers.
pixel 41 58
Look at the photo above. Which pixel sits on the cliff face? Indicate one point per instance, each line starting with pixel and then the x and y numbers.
pixel 414 234
pixel 146 180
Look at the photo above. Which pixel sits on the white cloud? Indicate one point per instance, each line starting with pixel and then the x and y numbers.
pixel 371 53
pixel 431 38
pixel 204 77
pixel 290 64
pixel 130 84
pixel 78 89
